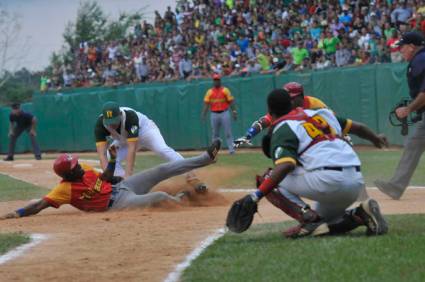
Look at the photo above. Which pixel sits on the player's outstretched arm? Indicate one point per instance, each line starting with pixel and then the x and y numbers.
pixel 101 152
pixel 256 127
pixel 31 209
pixel 364 132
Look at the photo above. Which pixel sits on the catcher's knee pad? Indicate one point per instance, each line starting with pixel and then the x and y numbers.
pixel 301 214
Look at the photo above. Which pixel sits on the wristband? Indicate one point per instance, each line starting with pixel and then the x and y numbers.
pixel 267 186
pixel 20 212
pixel 251 132
pixel 257 195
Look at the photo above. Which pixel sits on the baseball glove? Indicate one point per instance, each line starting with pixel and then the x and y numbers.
pixel 241 214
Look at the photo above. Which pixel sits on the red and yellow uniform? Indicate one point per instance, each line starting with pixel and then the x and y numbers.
pixel 219 99
pixel 310 103
pixel 89 194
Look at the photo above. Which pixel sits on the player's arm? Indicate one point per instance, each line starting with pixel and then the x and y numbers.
pixel 132 128
pixel 362 131
pixel 100 134
pixel 204 111
pixel 416 104
pixel 256 127
pixel 131 157
pixel 33 126
pixel 31 209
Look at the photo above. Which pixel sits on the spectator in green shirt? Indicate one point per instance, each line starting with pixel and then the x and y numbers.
pixel 330 43
pixel 299 53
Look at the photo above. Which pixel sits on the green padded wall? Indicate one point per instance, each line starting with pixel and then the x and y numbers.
pixel 66 120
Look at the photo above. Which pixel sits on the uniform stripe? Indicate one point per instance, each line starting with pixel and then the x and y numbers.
pixel 348 125
pixel 285 160
pixel 100 143
pixel 133 139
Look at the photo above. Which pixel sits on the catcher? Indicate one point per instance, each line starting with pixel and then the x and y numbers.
pixel 312 161
pixel 88 190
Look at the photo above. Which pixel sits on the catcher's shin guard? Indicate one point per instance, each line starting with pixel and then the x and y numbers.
pixel 301 214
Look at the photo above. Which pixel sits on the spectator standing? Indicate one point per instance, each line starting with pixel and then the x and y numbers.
pixel 219 99
pixel 21 121
pixel 185 67
pixel 342 56
pixel 299 53
pixel 394 49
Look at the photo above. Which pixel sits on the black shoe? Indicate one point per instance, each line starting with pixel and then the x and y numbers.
pixel 7 159
pixel 38 158
pixel 214 148
pixel 371 215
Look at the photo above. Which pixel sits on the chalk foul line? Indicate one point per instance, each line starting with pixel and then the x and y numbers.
pixel 12 254
pixel 178 271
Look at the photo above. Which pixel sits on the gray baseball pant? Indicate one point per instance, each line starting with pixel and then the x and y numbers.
pixel 16 132
pixel 222 119
pixel 413 149
pixel 135 190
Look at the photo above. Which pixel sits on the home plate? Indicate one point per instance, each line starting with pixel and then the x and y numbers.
pixel 22 165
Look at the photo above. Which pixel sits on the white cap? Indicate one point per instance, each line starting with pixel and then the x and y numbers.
pixel 275 60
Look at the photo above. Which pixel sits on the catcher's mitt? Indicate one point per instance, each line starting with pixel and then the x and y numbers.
pixel 241 214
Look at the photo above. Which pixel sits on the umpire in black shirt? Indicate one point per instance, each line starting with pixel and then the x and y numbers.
pixel 19 122
pixel 413 50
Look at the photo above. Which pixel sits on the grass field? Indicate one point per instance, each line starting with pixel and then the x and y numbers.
pixel 12 189
pixel 375 164
pixel 9 241
pixel 262 254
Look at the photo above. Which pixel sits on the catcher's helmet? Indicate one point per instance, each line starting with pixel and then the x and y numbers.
pixel 294 89
pixel 64 164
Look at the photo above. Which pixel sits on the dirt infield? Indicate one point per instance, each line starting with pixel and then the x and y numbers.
pixel 136 245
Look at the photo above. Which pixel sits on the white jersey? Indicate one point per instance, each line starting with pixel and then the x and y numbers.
pixel 294 140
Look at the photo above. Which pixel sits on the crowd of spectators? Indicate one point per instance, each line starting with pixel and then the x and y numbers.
pixel 244 37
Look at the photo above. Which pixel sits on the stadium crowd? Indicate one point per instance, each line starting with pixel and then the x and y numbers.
pixel 244 37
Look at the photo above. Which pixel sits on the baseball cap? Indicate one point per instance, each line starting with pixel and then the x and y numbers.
pixel 216 76
pixel 412 37
pixel 111 113
pixel 64 164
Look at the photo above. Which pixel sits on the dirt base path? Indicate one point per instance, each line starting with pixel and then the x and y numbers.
pixel 136 245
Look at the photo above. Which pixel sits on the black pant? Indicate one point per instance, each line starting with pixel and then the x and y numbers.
pixel 16 132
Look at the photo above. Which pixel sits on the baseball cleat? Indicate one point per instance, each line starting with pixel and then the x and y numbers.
pixel 389 189
pixel 314 229
pixel 213 149
pixel 7 159
pixel 373 219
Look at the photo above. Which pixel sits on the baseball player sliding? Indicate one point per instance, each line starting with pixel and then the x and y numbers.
pixel 296 92
pixel 130 130
pixel 91 191
pixel 312 161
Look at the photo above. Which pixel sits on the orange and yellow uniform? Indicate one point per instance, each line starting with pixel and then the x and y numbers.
pixel 89 194
pixel 219 98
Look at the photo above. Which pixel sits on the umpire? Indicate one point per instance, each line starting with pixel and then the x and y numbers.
pixel 21 121
pixel 219 99
pixel 413 50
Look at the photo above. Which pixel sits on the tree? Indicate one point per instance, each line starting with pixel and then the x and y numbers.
pixel 11 45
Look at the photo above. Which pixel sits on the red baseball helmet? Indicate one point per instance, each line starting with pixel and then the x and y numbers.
pixel 64 164
pixel 294 89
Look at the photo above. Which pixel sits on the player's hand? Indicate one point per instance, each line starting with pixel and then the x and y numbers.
pixel 234 114
pixel 112 150
pixel 9 216
pixel 33 133
pixel 10 134
pixel 402 112
pixel 381 142
pixel 240 141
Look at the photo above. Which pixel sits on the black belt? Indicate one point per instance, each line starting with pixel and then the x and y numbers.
pixel 219 112
pixel 340 168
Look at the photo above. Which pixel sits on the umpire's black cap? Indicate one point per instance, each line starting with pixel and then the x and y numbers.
pixel 413 37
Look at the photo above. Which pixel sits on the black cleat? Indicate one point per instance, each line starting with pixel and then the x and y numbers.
pixel 372 218
pixel 214 148
pixel 8 159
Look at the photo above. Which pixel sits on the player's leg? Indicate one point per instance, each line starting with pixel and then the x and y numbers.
pixel 35 147
pixel 413 150
pixel 152 139
pixel 16 132
pixel 227 125
pixel 215 125
pixel 128 199
pixel 143 182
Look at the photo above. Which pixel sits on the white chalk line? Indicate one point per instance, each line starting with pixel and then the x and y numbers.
pixel 249 190
pixel 178 271
pixel 13 254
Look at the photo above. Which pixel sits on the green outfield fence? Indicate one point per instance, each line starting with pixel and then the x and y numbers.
pixel 66 119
